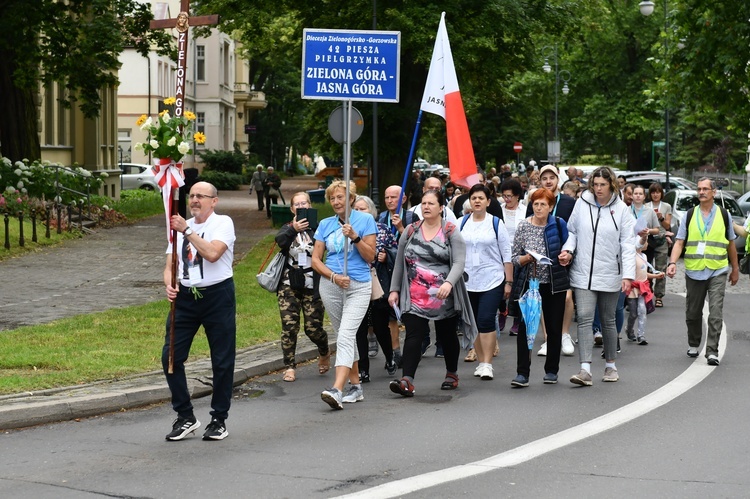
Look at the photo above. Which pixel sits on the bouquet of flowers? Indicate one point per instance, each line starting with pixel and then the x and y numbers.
pixel 169 137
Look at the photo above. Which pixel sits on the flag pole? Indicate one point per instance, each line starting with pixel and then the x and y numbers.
pixel 409 161
pixel 175 268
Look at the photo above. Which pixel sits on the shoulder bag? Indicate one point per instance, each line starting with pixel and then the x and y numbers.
pixel 377 289
pixel 270 278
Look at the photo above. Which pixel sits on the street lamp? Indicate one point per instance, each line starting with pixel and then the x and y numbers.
pixel 553 152
pixel 647 8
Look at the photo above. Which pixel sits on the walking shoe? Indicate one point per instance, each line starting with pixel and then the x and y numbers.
pixel 216 430
pixel 583 378
pixel 333 398
pixel 713 360
pixel 439 351
pixel 514 328
pixel 372 346
pixel 520 381
pixel 642 340
pixel 550 379
pixel 450 382
pixel 610 375
pixel 631 336
pixel 501 319
pixel 567 345
pixel 478 371
pixel 182 427
pixel 403 387
pixel 471 356
pixel 397 357
pixel 364 377
pixel 542 350
pixel 425 344
pixel 391 367
pixel 598 340
pixel 354 393
pixel 488 372
pixel 692 352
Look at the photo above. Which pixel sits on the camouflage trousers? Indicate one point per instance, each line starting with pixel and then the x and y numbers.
pixel 291 303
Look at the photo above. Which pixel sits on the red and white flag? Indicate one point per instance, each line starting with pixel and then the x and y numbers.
pixel 169 177
pixel 442 97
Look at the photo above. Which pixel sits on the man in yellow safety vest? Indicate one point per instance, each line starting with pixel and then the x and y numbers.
pixel 707 235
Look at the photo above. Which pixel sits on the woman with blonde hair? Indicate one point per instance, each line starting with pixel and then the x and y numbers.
pixel 347 239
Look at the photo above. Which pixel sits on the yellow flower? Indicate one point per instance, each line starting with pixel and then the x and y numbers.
pixel 200 138
pixel 169 101
pixel 189 115
pixel 140 121
pixel 164 112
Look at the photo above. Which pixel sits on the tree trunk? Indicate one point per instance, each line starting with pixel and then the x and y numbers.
pixel 635 156
pixel 19 135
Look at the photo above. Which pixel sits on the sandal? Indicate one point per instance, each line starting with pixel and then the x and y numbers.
pixel 451 382
pixel 658 303
pixel 289 375
pixel 324 363
pixel 402 386
pixel 471 356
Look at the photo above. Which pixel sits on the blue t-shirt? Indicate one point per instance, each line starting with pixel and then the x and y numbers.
pixel 329 231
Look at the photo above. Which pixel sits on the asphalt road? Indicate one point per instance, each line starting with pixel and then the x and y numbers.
pixel 285 442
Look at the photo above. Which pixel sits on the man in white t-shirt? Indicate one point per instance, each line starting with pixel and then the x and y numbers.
pixel 434 184
pixel 204 296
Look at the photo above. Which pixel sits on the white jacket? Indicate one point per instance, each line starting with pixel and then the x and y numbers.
pixel 604 244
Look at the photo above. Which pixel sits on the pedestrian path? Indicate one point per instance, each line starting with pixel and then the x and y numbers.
pixel 120 267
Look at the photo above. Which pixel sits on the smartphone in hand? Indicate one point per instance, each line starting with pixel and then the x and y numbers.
pixel 311 214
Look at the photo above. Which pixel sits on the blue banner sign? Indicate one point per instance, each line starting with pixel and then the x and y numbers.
pixel 351 65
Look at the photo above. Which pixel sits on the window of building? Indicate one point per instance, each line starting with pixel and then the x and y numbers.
pixel 200 62
pixel 200 122
pixel 124 146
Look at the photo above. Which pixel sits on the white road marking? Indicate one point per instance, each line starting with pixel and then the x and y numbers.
pixel 693 375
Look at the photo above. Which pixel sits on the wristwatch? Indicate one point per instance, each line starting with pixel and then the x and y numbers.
pixel 188 231
pixel 356 240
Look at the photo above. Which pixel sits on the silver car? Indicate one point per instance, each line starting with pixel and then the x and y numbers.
pixel 682 200
pixel 137 176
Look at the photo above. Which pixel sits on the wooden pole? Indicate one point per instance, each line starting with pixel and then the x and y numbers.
pixel 175 267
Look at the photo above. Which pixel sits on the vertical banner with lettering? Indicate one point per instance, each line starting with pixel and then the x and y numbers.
pixel 351 65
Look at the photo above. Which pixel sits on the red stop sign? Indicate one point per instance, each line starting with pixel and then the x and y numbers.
pixel 518 147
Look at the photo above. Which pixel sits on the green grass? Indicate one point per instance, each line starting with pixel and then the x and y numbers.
pixel 120 342
pixel 42 241
pixel 138 203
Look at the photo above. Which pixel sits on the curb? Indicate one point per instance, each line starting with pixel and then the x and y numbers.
pixel 72 403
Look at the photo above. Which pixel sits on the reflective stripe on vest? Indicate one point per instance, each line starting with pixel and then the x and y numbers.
pixel 714 256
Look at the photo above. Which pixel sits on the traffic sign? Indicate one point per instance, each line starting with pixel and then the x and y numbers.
pixel 658 143
pixel 518 147
pixel 336 123
pixel 351 65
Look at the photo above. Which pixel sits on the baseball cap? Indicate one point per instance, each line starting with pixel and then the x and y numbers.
pixel 549 168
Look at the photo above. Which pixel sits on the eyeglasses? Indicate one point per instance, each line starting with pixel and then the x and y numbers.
pixel 509 196
pixel 301 205
pixel 200 196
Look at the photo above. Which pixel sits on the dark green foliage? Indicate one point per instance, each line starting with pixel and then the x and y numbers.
pixel 222 180
pixel 223 161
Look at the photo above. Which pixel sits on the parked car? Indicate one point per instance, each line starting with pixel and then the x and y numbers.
pixel 645 179
pixel 682 200
pixel 137 176
pixel 587 170
pixel 744 202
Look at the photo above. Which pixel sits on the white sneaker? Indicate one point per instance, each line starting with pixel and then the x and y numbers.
pixel 354 394
pixel 567 345
pixel 488 372
pixel 479 370
pixel 543 350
